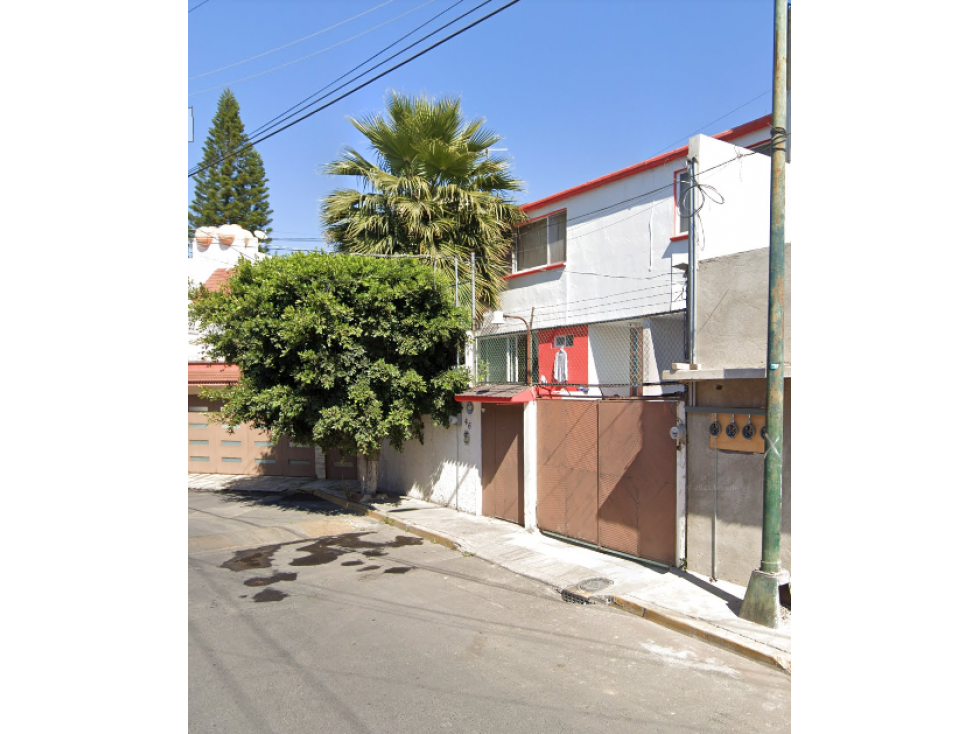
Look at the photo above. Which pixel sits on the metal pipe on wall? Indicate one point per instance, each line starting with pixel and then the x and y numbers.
pixel 713 524
pixel 692 262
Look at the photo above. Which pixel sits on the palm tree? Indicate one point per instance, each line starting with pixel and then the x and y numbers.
pixel 434 190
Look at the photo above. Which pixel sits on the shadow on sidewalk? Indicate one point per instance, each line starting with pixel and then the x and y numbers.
pixel 289 500
pixel 733 602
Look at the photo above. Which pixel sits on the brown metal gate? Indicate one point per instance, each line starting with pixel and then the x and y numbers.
pixel 246 450
pixel 340 466
pixel 606 474
pixel 502 476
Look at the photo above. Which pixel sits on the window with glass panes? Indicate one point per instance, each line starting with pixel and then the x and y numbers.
pixel 541 242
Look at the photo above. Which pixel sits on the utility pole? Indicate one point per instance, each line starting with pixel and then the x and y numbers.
pixel 761 601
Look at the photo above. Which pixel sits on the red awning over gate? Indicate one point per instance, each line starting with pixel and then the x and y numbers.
pixel 505 394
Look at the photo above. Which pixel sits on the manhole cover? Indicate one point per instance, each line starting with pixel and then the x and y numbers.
pixel 593 585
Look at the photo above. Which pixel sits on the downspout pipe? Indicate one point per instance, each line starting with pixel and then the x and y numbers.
pixel 692 262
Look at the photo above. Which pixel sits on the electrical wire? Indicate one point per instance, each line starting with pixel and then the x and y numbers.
pixel 397 66
pixel 291 43
pixel 309 56
pixel 726 114
pixel 197 6
pixel 739 156
pixel 615 301
pixel 278 117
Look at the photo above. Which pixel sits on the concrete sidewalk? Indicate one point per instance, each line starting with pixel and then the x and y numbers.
pixel 685 602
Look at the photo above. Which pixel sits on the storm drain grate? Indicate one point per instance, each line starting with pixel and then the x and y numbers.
pixel 593 585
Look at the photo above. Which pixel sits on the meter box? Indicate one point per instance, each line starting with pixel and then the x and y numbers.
pixel 737 432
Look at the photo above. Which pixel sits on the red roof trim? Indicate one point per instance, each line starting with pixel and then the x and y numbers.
pixel 734 132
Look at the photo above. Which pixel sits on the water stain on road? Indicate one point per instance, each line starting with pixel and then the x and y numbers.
pixel 269 594
pixel 328 549
pixel 250 559
pixel 268 580
pixel 320 551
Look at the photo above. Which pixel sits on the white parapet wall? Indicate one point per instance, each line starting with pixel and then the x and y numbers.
pixel 735 204
pixel 446 469
pixel 212 249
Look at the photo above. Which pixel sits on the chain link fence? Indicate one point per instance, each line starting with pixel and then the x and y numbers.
pixel 624 357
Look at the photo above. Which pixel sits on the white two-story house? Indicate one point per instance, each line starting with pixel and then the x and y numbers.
pixel 582 444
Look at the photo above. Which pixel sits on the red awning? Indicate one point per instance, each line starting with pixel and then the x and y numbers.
pixel 497 393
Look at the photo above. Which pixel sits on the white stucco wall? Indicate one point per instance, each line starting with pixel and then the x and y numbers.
pixel 742 222
pixel 202 263
pixel 619 254
pixel 630 242
pixel 444 470
pixel 530 465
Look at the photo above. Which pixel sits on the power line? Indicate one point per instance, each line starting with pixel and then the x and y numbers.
pixel 738 157
pixel 315 53
pixel 197 6
pixel 397 66
pixel 291 43
pixel 268 124
pixel 287 114
pixel 726 114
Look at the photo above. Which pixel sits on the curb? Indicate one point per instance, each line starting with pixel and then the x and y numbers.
pixel 685 625
pixel 377 515
pixel 707 632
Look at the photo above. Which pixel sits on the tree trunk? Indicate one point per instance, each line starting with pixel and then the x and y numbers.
pixel 367 470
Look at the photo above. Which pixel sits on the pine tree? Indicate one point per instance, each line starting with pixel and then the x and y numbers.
pixel 232 187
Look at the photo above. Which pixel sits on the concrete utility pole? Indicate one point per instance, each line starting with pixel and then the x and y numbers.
pixel 761 601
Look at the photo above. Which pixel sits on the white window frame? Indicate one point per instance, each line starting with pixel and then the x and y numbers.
pixel 551 241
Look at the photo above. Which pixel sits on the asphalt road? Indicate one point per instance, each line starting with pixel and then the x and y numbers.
pixel 306 618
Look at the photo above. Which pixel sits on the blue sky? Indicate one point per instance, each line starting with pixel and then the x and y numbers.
pixel 579 88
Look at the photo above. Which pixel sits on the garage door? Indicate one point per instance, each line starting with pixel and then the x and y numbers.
pixel 245 450
pixel 607 475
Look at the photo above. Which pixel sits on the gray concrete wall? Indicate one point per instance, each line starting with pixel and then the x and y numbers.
pixel 732 309
pixel 739 487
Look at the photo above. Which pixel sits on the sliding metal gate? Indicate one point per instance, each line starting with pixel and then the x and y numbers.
pixel 607 474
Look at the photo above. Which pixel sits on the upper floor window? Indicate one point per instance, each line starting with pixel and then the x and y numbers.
pixel 681 201
pixel 541 242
